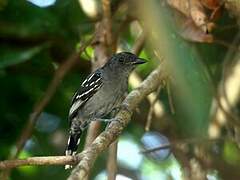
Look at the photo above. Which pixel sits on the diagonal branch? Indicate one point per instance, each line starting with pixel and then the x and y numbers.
pixel 103 141
pixel 38 161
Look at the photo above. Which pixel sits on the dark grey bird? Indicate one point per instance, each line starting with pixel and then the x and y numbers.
pixel 100 93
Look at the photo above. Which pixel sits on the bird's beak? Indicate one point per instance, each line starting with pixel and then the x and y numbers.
pixel 139 61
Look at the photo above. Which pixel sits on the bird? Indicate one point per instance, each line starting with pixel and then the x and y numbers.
pixel 100 93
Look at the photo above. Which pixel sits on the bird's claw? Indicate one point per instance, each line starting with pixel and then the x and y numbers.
pixel 125 107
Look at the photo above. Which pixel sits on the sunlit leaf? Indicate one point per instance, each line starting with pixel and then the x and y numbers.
pixel 231 153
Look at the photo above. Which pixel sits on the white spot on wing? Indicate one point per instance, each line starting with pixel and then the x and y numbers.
pixel 68 152
pixel 79 96
pixel 92 83
pixel 78 141
pixel 68 166
pixel 96 86
pixel 75 105
pixel 88 91
pixel 87 80
pixel 98 80
pixel 84 82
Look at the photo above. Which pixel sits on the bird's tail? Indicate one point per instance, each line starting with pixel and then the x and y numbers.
pixel 73 142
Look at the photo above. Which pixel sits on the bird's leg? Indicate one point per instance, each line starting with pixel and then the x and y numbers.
pixel 123 107
pixel 113 120
pixel 108 120
pixel 103 119
pixel 113 113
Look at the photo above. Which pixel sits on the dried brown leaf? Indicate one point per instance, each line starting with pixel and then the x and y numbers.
pixel 211 4
pixel 194 9
pixel 191 32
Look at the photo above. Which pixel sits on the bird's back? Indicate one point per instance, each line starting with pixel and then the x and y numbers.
pixel 108 97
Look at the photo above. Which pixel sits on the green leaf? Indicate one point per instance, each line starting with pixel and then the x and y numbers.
pixel 191 88
pixel 231 153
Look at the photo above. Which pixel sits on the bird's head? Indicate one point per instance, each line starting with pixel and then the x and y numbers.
pixel 124 61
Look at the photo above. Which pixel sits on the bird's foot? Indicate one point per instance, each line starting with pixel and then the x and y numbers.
pixel 125 107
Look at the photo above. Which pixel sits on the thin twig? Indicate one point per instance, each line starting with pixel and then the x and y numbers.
pixel 135 80
pixel 92 133
pixel 151 110
pixel 139 44
pixel 112 161
pixel 39 161
pixel 123 25
pixel 170 98
pixel 178 142
pixel 163 146
pixel 107 21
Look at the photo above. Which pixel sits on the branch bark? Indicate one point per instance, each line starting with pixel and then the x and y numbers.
pixel 112 161
pixel 38 161
pixel 107 21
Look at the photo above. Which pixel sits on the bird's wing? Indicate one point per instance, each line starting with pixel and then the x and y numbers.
pixel 88 88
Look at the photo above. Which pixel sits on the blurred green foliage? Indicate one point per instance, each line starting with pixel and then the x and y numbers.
pixel 34 41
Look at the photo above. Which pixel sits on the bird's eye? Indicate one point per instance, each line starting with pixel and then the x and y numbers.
pixel 121 59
